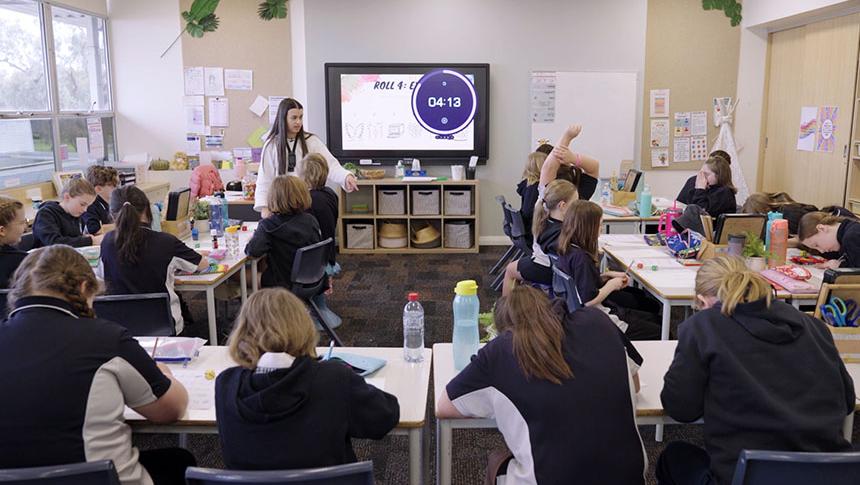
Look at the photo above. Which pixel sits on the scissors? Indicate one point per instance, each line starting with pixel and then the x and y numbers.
pixel 841 313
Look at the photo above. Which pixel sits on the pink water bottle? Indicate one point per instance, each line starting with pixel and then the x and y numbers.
pixel 778 242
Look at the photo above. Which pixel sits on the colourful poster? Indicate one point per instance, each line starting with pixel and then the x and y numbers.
pixel 808 128
pixel 682 123
pixel 659 157
pixel 826 136
pixel 698 148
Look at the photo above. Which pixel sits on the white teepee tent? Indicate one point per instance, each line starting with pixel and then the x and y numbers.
pixel 724 111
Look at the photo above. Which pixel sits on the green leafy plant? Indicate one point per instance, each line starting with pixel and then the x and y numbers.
pixel 731 8
pixel 488 325
pixel 201 210
pixel 272 9
pixel 754 247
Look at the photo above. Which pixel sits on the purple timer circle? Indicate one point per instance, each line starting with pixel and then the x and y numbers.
pixel 444 102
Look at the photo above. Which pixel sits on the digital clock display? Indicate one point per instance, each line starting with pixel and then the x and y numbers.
pixel 444 102
pixel 449 102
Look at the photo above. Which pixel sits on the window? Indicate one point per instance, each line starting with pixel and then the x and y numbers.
pixel 55 108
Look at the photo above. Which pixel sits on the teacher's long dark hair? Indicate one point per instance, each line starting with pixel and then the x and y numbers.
pixel 127 204
pixel 279 131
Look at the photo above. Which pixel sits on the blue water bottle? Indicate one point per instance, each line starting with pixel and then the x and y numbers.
pixel 645 202
pixel 465 322
pixel 216 222
pixel 771 216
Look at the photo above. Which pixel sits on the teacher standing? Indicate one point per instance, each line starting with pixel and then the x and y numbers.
pixel 284 149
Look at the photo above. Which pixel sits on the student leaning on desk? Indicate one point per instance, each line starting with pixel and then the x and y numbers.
pixel 69 375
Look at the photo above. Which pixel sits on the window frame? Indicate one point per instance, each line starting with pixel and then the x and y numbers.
pixel 49 62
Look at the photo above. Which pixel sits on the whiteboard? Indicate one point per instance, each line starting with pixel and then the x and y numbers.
pixel 604 103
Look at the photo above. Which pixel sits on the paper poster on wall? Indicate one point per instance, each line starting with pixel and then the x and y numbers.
pixel 659 157
pixel 255 139
pixel 681 150
pixel 192 101
pixel 826 136
pixel 238 79
pixel 659 133
pixel 699 148
pixel 542 95
pixel 194 84
pixel 808 128
pixel 192 145
pixel 214 141
pixel 97 138
pixel 274 101
pixel 194 120
pixel 682 123
pixel 699 123
pixel 244 153
pixel 258 107
pixel 214 81
pixel 219 112
pixel 659 103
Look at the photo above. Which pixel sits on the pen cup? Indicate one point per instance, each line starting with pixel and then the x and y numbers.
pixel 458 172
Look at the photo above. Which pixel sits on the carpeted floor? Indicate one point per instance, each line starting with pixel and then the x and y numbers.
pixel 369 296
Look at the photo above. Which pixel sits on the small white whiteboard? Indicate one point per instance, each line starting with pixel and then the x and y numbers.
pixel 604 103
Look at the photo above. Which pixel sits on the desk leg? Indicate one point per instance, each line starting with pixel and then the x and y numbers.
pixel 667 318
pixel 210 313
pixel 243 278
pixel 848 427
pixel 795 303
pixel 416 455
pixel 443 452
pixel 183 440
pixel 255 280
pixel 607 228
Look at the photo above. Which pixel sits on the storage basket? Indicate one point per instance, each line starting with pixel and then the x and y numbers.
pixel 425 202
pixel 392 202
pixel 458 235
pixel 458 202
pixel 359 236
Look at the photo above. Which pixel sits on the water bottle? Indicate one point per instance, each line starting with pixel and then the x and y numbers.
pixel 399 171
pixel 778 242
pixel 225 219
pixel 155 224
pixel 413 330
pixel 605 194
pixel 771 216
pixel 465 322
pixel 645 202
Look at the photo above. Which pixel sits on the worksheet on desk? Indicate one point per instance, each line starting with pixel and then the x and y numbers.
pixel 201 391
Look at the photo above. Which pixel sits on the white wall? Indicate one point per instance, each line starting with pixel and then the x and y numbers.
pixel 148 90
pixel 514 38
pixel 98 7
pixel 779 14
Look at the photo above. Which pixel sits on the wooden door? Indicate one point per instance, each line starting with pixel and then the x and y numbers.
pixel 813 65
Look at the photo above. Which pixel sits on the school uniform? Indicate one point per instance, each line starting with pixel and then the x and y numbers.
pixel 848 236
pixel 160 256
pixel 97 214
pixel 586 187
pixel 10 259
pixel 528 198
pixel 537 268
pixel 762 379
pixel 297 413
pixel 279 236
pixel 581 431
pixel 53 225
pixel 67 380
pixel 715 200
pixel 324 208
pixel 794 212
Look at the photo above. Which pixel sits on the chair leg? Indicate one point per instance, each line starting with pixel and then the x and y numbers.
pixel 324 323
pixel 497 283
pixel 503 260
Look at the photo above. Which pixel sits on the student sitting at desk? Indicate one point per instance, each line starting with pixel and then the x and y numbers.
pixel 69 375
pixel 12 227
pixel 762 375
pixel 138 260
pixel 60 222
pixel 282 408
pixel 561 388
pixel 690 184
pixel 104 180
pixel 837 238
pixel 713 189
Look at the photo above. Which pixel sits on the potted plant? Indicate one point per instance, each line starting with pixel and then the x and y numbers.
pixel 200 214
pixel 755 252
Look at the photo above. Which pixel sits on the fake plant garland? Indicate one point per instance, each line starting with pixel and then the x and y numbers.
pixel 731 8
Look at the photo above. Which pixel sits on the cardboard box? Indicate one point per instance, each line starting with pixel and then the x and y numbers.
pixel 180 229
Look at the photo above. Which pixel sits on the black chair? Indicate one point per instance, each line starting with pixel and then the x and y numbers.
pixel 93 473
pixel 520 236
pixel 360 473
pixel 143 315
pixel 756 467
pixel 506 227
pixel 563 286
pixel 309 280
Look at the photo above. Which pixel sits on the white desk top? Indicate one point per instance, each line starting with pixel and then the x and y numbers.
pixel 205 243
pixel 408 382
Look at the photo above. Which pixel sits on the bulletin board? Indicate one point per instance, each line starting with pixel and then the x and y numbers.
pixel 694 54
pixel 243 41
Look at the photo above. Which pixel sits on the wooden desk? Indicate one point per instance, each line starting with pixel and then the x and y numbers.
pixel 657 355
pixel 409 382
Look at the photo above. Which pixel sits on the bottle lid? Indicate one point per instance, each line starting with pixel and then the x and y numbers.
pixel 413 296
pixel 213 232
pixel 466 288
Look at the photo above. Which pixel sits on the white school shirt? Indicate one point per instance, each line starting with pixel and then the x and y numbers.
pixel 269 167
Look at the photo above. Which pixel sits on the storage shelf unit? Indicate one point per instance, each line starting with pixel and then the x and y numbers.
pixel 367 200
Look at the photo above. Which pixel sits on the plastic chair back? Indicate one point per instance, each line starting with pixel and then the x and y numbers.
pixel 756 467
pixel 309 269
pixel 93 473
pixel 563 285
pixel 360 473
pixel 143 315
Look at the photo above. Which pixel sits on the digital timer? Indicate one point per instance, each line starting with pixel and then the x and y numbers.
pixel 444 102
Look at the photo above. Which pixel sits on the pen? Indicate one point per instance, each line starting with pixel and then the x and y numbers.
pixel 330 348
pixel 154 347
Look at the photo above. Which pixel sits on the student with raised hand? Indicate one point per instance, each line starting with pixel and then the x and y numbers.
pixel 13 223
pixel 561 388
pixel 713 189
pixel 762 374
pixel 138 260
pixel 104 180
pixel 68 377
pixel 837 238
pixel 61 223
pixel 285 148
pixel 281 407
pixel 581 170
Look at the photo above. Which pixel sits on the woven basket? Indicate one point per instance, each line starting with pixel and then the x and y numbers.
pixel 458 202
pixel 392 202
pixel 458 235
pixel 425 202
pixel 359 236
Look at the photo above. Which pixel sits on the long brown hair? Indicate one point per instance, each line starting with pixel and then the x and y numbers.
pixel 9 208
pixel 557 191
pixel 764 202
pixel 723 171
pixel 127 205
pixel 808 225
pixel 581 227
pixel 537 333
pixel 57 269
pixel 531 174
pixel 278 133
pixel 730 280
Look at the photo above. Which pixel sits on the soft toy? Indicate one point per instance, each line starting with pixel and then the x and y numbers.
pixel 205 181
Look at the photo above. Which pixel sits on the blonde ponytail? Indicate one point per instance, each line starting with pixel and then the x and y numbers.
pixel 557 191
pixel 729 280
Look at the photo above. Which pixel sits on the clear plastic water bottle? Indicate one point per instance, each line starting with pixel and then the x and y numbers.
pixel 215 218
pixel 413 330
pixel 605 194
pixel 645 202
pixel 465 322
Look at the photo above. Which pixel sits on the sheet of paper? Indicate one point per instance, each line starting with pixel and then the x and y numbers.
pixel 192 100
pixel 682 149
pixel 201 391
pixel 699 123
pixel 219 112
pixel 659 103
pixel 192 145
pixel 214 77
pixel 194 84
pixel 659 133
pixel 214 141
pixel 97 138
pixel 194 119
pixel 682 123
pixel 682 278
pixel 244 153
pixel 659 157
pixel 274 101
pixel 543 94
pixel 258 107
pixel 699 148
pixel 83 148
pixel 808 128
pixel 825 139
pixel 239 79
pixel 255 139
